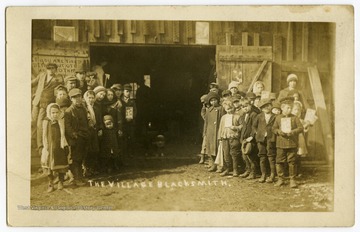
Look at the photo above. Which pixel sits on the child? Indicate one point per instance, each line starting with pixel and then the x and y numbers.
pixel 70 82
pixel 228 136
pixel 91 80
pixel 287 128
pixel 60 92
pixel 129 112
pixel 211 126
pixel 109 147
pixel 203 99
pixel 276 108
pixel 118 90
pixel 258 87
pixel 263 127
pixel 77 133
pixel 252 97
pixel 91 160
pixel 247 136
pixel 80 78
pixel 237 105
pixel 55 150
pixel 233 87
pixel 302 149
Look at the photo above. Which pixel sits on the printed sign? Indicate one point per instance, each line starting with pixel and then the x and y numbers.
pixel 129 113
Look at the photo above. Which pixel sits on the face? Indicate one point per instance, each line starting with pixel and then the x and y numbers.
pixel 100 95
pixel 246 107
pixel 229 109
pixel 237 104
pixel 126 93
pixel 286 109
pixel 266 109
pixel 118 93
pixel 51 71
pixel 296 96
pixel 91 99
pixel 276 111
pixel 70 85
pixel 76 100
pixel 296 110
pixel 109 124
pixel 110 95
pixel 233 90
pixel 61 94
pixel 54 113
pixel 292 84
pixel 256 101
pixel 214 102
pixel 258 88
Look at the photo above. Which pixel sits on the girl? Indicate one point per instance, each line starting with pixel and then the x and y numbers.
pixel 55 150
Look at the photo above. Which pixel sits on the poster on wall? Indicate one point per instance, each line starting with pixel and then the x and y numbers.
pixel 202 33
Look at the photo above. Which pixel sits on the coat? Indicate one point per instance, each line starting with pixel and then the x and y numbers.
pixel 262 129
pixel 285 142
pixel 226 133
pixel 40 82
pixel 284 93
pixel 247 125
pixel 211 127
pixel 76 124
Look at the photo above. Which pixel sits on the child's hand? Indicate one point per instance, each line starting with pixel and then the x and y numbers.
pixel 100 133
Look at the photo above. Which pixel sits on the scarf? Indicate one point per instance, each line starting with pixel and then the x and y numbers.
pixel 90 109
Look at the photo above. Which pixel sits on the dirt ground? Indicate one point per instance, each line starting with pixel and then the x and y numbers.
pixel 177 182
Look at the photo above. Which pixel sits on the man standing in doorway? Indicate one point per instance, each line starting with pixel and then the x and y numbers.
pixel 45 84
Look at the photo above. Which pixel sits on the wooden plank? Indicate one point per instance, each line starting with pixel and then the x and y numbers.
pixel 277 61
pixel 293 66
pixel 257 75
pixel 228 38
pixel 290 42
pixel 305 42
pixel 256 39
pixel 176 31
pixel 246 54
pixel 322 113
pixel 108 27
pixel 244 39
pixel 97 28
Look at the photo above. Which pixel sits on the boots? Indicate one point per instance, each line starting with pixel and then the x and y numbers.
pixel 292 168
pixel 262 169
pixel 280 171
pixel 271 178
pixel 61 180
pixel 50 185
pixel 202 159
pixel 272 169
pixel 251 176
pixel 212 165
pixel 225 172
pixel 245 174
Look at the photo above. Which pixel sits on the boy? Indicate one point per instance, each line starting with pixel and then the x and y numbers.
pixel 252 98
pixel 247 136
pixel 229 138
pixel 128 112
pixel 80 78
pixel 77 133
pixel 70 82
pixel 264 138
pixel 287 128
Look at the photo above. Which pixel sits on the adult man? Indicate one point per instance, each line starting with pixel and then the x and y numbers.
pixel 45 84
pixel 80 77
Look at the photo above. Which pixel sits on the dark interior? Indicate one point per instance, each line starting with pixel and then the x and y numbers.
pixel 179 76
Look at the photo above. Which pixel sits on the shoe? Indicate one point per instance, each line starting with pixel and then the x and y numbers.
pixel 293 183
pixel 262 179
pixel 245 174
pixel 50 189
pixel 270 179
pixel 212 169
pixel 251 176
pixel 235 174
pixel 202 159
pixel 224 173
pixel 220 170
pixel 279 183
pixel 60 185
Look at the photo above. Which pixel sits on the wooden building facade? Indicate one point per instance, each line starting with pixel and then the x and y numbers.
pixel 242 51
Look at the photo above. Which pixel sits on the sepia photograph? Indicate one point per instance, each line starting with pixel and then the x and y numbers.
pixel 182 113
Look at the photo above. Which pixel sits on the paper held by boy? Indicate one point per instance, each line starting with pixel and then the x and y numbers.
pixel 286 125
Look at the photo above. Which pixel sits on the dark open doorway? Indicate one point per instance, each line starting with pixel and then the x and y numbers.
pixel 179 76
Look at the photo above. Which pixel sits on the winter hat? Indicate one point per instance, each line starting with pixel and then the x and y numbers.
pixel 250 95
pixel 212 95
pixel 225 92
pixel 108 118
pixel 63 102
pixel 99 88
pixel 276 105
pixel 116 87
pixel 127 87
pixel 233 84
pixel 292 77
pixel 74 92
pixel 203 98
pixel 264 102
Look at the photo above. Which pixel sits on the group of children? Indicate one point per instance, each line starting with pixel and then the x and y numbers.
pixel 86 129
pixel 249 132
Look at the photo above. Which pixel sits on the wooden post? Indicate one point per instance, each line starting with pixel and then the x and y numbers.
pixel 256 39
pixel 290 43
pixel 228 38
pixel 277 57
pixel 321 111
pixel 176 31
pixel 244 39
pixel 305 42
pixel 97 29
